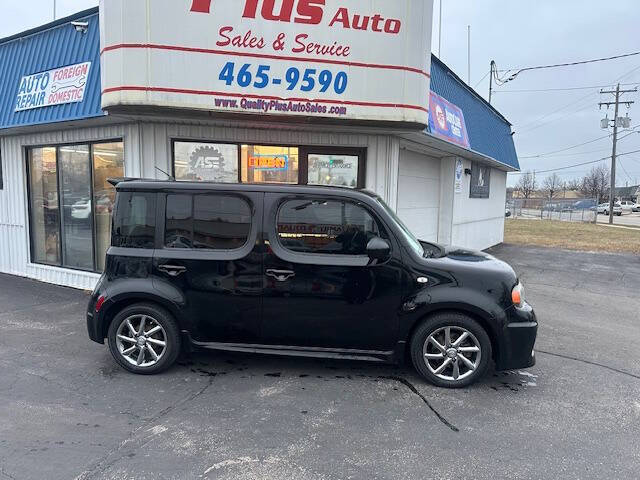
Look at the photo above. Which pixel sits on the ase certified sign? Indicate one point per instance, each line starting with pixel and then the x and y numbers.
pixel 348 59
pixel 53 87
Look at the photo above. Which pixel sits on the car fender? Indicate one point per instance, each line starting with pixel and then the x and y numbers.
pixel 477 304
pixel 133 290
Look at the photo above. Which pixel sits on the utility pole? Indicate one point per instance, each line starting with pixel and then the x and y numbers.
pixel 440 32
pixel 617 92
pixel 54 10
pixel 492 68
pixel 469 54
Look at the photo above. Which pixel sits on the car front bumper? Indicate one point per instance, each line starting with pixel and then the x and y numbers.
pixel 518 339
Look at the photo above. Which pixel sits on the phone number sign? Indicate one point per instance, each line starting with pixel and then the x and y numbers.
pixel 350 59
pixel 53 87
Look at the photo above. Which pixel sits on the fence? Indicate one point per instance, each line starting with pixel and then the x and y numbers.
pixel 568 210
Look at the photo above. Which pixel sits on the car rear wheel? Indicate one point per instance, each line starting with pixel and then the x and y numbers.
pixel 451 350
pixel 144 339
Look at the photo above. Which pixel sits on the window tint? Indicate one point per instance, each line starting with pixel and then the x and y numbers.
pixel 216 222
pixel 179 221
pixel 135 220
pixel 220 222
pixel 326 227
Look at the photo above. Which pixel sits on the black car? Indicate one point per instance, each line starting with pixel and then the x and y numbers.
pixel 299 270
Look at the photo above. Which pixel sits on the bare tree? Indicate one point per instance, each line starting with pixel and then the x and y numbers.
pixel 552 185
pixel 575 184
pixel 526 185
pixel 596 183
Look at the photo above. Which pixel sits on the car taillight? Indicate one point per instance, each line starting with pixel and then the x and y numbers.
pixel 100 302
pixel 517 295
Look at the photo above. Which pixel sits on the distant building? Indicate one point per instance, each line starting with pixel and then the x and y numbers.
pixel 628 193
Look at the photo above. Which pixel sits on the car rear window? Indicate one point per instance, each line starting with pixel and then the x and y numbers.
pixel 134 220
pixel 213 222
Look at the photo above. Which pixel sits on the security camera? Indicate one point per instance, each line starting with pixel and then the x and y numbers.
pixel 81 27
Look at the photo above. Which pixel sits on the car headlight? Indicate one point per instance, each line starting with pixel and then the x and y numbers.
pixel 517 295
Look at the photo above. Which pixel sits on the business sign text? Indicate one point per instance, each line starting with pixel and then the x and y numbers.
pixel 446 121
pixel 351 59
pixel 54 87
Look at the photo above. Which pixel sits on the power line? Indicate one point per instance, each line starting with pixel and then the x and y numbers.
pixel 535 127
pixel 566 89
pixel 518 71
pixel 576 164
pixel 547 155
pixel 480 81
pixel 565 149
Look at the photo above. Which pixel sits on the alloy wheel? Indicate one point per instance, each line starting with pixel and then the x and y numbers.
pixel 452 353
pixel 141 340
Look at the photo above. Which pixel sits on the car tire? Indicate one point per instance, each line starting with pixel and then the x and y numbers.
pixel 159 328
pixel 435 328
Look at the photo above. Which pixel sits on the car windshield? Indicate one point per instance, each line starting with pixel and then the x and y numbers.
pixel 408 237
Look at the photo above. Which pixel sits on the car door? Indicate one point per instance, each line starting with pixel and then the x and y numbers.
pixel 208 261
pixel 321 289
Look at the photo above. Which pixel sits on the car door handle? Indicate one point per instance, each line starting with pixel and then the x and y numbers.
pixel 172 270
pixel 281 275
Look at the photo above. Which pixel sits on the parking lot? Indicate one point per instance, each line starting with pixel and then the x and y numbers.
pixel 68 412
pixel 628 219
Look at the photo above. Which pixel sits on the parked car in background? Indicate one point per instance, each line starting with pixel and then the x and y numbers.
pixel 300 271
pixel 636 207
pixel 81 210
pixel 603 208
pixel 584 205
pixel 627 206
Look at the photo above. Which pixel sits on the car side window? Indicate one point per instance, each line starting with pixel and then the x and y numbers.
pixel 134 221
pixel 332 227
pixel 207 222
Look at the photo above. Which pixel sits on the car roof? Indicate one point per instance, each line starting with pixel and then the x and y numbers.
pixel 126 184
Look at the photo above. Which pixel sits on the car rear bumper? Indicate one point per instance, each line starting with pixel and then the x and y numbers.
pixel 518 339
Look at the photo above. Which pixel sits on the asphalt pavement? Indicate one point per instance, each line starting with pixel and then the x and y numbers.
pixel 68 412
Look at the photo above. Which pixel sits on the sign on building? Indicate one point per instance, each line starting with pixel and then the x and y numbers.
pixel 446 121
pixel 339 59
pixel 459 175
pixel 480 181
pixel 53 87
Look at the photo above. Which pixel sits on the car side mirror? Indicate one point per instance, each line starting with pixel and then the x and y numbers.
pixel 378 248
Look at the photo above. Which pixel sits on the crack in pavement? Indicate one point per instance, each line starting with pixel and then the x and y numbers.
pixel 111 457
pixel 613 369
pixel 5 474
pixel 412 387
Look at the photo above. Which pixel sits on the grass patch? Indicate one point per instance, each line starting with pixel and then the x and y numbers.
pixel 572 236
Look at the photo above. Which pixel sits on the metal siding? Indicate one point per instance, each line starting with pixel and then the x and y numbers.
pixel 488 132
pixel 14 222
pixel 55 47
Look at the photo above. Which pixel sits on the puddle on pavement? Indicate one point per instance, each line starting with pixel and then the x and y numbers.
pixel 513 381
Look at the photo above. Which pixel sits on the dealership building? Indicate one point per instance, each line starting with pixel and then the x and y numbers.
pixel 97 95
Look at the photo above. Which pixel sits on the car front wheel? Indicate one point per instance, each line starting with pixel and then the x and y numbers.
pixel 144 339
pixel 451 350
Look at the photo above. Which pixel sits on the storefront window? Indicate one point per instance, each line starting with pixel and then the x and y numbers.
pixel 75 195
pixel 45 215
pixel 268 164
pixel 108 162
pixel 292 165
pixel 210 162
pixel 71 203
pixel 340 170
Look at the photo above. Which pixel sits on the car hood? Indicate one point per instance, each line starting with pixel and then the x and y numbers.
pixel 474 264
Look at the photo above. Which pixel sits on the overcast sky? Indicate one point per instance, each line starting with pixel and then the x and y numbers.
pixel 514 33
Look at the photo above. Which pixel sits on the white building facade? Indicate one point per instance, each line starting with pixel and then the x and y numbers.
pixel 56 154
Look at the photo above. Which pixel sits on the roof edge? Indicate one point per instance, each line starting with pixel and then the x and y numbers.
pixel 470 89
pixel 47 26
